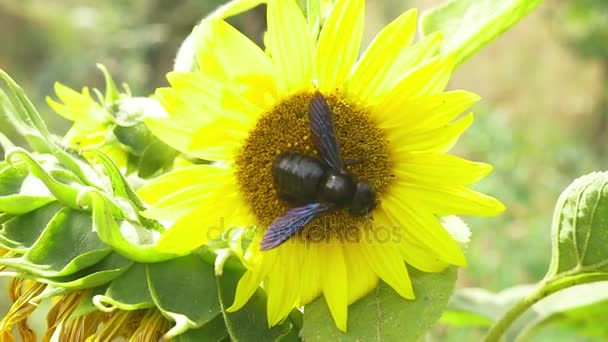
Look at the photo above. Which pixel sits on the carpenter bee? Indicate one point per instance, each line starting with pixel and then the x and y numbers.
pixel 314 185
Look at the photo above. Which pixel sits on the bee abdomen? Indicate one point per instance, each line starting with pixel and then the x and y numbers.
pixel 297 176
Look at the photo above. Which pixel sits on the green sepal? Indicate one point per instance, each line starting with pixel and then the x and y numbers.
pixel 103 272
pixel 127 292
pixel 64 247
pixel 383 315
pixel 20 232
pixel 20 193
pixel 28 117
pixel 184 290
pixel 469 25
pixel 213 331
pixel 112 93
pixel 66 194
pixel 86 305
pixel 111 233
pixel 121 188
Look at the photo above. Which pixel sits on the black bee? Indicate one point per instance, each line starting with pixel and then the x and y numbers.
pixel 314 185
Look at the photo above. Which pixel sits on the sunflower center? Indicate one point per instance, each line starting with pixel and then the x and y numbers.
pixel 286 128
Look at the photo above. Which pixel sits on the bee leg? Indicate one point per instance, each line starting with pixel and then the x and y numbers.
pixel 353 161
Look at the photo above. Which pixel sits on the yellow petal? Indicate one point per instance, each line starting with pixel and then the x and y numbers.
pixel 339 42
pixel 201 225
pixel 438 168
pixel 166 185
pixel 440 140
pixel 366 82
pixel 424 227
pixel 225 46
pixel 429 78
pixel 414 252
pixel 386 260
pixel 446 200
pixel 291 45
pixel 311 273
pixel 335 282
pixel 411 57
pixel 361 277
pixel 407 116
pixel 219 140
pixel 283 284
pixel 76 106
pixel 251 280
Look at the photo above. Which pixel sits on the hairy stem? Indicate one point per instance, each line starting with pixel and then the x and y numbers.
pixel 544 289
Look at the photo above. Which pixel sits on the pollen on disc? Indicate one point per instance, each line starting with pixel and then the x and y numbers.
pixel 285 127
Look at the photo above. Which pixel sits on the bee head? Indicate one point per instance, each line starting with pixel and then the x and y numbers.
pixel 364 199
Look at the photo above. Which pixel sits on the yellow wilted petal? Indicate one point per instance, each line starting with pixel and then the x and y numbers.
pixel 361 277
pixel 439 168
pixel 424 227
pixel 387 263
pixel 335 282
pixel 339 42
pixel 451 200
pixel 291 45
pixel 366 81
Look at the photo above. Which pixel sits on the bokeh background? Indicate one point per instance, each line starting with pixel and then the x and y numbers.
pixel 542 121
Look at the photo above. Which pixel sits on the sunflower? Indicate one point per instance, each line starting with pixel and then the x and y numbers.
pixel 244 106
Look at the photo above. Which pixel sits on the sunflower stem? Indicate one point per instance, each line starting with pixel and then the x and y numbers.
pixel 544 289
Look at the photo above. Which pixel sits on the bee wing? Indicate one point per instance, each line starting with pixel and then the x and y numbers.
pixel 324 132
pixel 290 223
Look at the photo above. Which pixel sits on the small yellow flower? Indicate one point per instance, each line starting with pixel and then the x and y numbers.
pixel 244 106
pixel 93 123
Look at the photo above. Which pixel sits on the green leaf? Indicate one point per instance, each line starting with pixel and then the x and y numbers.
pixel 469 25
pixel 479 307
pixel 383 315
pixel 184 289
pixel 580 227
pixel 22 231
pixel 67 245
pixel 127 292
pixel 250 322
